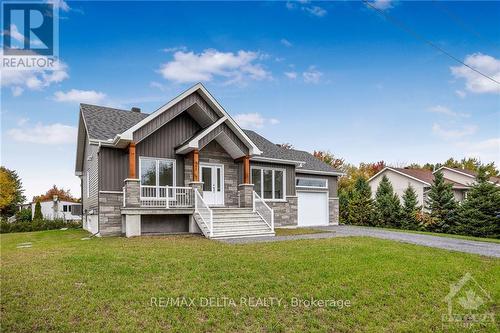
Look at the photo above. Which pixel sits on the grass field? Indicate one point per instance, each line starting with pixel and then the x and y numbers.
pixel 63 283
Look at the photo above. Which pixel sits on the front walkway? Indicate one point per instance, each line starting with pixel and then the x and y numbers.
pixel 447 243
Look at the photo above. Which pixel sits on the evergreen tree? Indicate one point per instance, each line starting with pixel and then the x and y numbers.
pixel 410 209
pixel 345 196
pixel 38 211
pixel 360 209
pixel 441 204
pixel 478 215
pixel 387 205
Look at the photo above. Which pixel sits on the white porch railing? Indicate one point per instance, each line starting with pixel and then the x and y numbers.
pixel 206 214
pixel 261 208
pixel 166 197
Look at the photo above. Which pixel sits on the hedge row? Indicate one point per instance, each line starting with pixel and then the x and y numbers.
pixel 37 225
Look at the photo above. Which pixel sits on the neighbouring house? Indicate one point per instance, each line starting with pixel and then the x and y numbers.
pixel 188 167
pixel 422 179
pixel 59 209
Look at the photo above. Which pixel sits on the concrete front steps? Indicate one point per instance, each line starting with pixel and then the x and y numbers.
pixel 235 223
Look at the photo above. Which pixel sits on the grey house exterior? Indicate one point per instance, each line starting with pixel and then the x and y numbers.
pixel 188 167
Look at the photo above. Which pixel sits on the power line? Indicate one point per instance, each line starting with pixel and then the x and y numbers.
pixel 408 30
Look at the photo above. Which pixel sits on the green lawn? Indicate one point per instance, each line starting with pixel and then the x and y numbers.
pixel 296 231
pixel 63 283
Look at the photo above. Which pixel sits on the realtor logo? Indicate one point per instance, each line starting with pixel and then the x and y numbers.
pixel 29 35
pixel 468 304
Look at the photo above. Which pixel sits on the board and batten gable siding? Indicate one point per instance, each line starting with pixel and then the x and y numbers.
pixel 90 164
pixel 223 129
pixel 173 112
pixel 289 170
pixel 399 184
pixel 113 168
pixel 332 182
pixel 160 144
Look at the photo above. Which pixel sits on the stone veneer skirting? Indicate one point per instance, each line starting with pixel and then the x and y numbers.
pixel 285 212
pixel 110 218
pixel 333 211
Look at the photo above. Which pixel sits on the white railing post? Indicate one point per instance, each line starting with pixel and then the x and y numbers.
pixel 253 201
pixel 166 196
pixel 124 198
pixel 265 212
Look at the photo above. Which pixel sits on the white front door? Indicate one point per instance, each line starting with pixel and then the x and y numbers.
pixel 312 208
pixel 212 176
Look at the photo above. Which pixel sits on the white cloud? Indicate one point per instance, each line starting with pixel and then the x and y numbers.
pixel 381 4
pixel 291 75
pixel 286 42
pixel 79 96
pixel 253 120
pixel 44 134
pixel 312 75
pixel 453 134
pixel 315 10
pixel 486 150
pixel 446 111
pixel 22 121
pixel 35 79
pixel 61 4
pixel 234 67
pixel 174 49
pixel 17 91
pixel 475 82
pixel 460 93
pixel 306 6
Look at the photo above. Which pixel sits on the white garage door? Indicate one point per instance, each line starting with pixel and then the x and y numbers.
pixel 312 208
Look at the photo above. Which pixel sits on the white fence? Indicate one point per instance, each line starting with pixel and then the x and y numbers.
pixel 201 207
pixel 263 210
pixel 167 197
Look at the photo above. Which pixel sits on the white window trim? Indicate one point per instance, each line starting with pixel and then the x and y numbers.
pixel 88 184
pixel 157 164
pixel 261 194
pixel 315 187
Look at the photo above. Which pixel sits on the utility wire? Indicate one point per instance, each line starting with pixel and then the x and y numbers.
pixel 408 30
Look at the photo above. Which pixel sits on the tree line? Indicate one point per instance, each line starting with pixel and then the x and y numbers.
pixel 478 215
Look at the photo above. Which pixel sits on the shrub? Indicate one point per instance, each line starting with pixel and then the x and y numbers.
pixel 38 225
pixel 23 215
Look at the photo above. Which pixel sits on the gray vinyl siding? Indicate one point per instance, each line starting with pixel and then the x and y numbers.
pixel 160 144
pixel 289 170
pixel 174 111
pixel 223 129
pixel 163 142
pixel 92 166
pixel 332 182
pixel 113 168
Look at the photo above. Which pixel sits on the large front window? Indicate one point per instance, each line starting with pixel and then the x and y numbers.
pixel 156 175
pixel 269 183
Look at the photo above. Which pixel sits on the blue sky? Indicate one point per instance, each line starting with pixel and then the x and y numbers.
pixel 331 76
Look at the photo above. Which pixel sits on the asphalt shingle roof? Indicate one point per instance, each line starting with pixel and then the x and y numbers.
pixel 272 150
pixel 104 123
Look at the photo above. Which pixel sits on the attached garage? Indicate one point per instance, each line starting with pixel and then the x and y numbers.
pixel 312 208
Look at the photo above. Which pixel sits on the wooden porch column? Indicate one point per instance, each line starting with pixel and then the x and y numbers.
pixel 196 165
pixel 131 161
pixel 246 169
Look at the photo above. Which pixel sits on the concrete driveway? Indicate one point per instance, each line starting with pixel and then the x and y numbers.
pixel 447 243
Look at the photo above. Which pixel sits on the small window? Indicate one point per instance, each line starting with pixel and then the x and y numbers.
pixel 65 208
pixel 311 182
